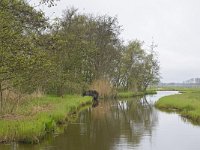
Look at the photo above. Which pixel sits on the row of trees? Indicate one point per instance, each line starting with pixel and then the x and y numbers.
pixel 69 54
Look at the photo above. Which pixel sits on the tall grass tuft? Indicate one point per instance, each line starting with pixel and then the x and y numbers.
pixel 13 99
pixel 104 87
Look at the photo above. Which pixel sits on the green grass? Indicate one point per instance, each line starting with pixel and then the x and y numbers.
pixel 187 104
pixel 129 94
pixel 38 117
pixel 181 89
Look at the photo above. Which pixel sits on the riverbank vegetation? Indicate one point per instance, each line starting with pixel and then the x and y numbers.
pixel 187 104
pixel 63 56
pixel 71 54
pixel 129 94
pixel 34 118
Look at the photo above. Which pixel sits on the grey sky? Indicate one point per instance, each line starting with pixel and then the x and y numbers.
pixel 174 24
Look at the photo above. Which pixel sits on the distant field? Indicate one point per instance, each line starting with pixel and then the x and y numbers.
pixel 174 88
pixel 129 94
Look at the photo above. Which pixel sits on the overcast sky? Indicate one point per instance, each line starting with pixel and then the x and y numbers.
pixel 174 25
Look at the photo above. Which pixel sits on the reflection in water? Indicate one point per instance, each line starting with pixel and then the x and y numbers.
pixel 109 125
pixel 120 125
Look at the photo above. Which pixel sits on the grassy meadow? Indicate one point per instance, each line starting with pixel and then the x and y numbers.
pixel 39 116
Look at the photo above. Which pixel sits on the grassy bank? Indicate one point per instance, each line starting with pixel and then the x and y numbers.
pixel 39 116
pixel 180 89
pixel 187 104
pixel 129 94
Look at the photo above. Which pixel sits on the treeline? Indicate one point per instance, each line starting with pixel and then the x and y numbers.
pixel 69 54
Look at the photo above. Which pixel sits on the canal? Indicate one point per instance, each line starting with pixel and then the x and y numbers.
pixel 123 124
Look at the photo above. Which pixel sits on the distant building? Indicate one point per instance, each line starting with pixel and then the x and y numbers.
pixel 194 82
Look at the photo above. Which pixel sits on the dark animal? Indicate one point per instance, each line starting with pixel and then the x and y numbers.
pixel 94 94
